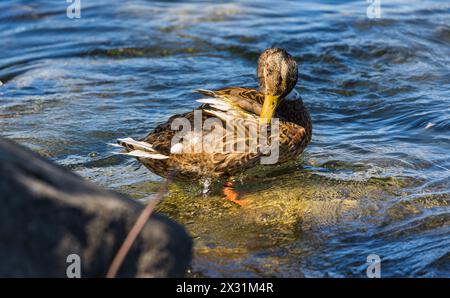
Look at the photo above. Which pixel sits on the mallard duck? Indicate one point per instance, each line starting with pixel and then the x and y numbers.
pixel 276 99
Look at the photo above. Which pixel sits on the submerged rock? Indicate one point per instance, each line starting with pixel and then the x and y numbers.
pixel 48 213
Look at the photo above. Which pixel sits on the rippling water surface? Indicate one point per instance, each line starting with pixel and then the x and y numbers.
pixel 376 178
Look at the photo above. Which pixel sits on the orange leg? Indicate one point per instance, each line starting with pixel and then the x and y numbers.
pixel 232 195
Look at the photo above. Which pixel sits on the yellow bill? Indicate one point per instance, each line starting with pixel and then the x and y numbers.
pixel 268 108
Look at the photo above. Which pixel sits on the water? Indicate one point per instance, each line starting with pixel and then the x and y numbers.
pixel 375 179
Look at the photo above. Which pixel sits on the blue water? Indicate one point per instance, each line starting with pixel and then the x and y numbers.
pixel 378 91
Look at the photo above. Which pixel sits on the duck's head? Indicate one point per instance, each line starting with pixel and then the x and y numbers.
pixel 277 76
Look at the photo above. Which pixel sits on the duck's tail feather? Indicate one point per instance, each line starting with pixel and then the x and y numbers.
pixel 139 149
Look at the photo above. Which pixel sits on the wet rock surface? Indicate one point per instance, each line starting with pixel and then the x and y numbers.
pixel 48 213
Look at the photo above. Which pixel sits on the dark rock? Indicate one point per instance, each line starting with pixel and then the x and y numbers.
pixel 48 213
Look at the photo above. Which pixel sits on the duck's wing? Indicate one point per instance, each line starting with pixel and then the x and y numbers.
pixel 237 103
pixel 238 108
pixel 250 100
pixel 232 105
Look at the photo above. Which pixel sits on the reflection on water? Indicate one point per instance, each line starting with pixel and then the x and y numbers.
pixel 376 178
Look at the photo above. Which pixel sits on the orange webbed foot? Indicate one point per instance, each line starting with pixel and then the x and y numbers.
pixel 232 195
